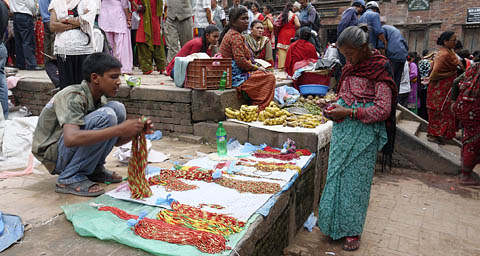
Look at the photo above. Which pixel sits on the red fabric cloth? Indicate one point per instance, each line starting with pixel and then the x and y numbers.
pixel 298 51
pixel 441 120
pixel 39 34
pixel 441 123
pixel 287 31
pixel 467 110
pixel 191 47
pixel 156 29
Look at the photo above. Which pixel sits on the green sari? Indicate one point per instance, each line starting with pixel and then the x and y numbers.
pixel 351 165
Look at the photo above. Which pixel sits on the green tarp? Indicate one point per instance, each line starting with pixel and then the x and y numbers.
pixel 88 221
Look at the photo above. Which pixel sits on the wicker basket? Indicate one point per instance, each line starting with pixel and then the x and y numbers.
pixel 205 74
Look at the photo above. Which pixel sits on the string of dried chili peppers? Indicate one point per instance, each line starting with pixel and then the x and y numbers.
pixel 270 166
pixel 214 223
pixel 160 230
pixel 170 182
pixel 255 187
pixel 279 156
pixel 137 182
pixel 213 206
pixel 198 213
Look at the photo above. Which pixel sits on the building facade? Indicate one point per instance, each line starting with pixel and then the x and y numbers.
pixel 421 21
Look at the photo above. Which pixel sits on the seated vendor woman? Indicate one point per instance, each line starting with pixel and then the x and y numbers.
pixel 300 50
pixel 77 129
pixel 206 43
pixel 248 78
pixel 258 43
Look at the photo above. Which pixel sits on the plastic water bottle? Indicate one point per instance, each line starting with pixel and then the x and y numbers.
pixel 221 140
pixel 223 81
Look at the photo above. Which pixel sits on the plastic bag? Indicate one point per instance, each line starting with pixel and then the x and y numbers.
pixel 286 95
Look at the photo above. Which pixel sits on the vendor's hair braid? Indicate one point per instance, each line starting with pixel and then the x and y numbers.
pixel 137 182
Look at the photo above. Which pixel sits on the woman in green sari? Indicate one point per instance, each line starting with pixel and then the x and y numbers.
pixel 364 125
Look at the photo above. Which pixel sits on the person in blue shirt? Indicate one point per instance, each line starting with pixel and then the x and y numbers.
pixel 396 50
pixel 350 18
pixel 307 14
pixel 372 18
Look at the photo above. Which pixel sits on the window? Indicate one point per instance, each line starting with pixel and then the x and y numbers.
pixel 471 38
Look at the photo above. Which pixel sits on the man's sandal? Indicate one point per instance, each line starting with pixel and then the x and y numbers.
pixel 103 175
pixel 352 243
pixel 79 189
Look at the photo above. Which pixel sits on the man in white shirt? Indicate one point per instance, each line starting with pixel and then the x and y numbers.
pixel 202 16
pixel 218 15
pixel 404 85
pixel 23 11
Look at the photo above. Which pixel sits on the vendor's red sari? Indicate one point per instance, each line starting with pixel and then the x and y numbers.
pixel 441 121
pixel 298 51
pixel 467 110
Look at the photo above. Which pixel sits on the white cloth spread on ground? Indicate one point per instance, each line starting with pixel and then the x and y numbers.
pixel 238 205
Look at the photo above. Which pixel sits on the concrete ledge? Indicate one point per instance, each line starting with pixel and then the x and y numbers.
pixel 207 130
pixel 209 105
pixel 276 139
pixel 425 156
pixel 162 93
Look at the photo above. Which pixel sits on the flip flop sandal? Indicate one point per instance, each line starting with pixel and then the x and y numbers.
pixel 351 244
pixel 82 187
pixel 103 175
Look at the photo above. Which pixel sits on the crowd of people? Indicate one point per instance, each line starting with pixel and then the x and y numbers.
pixel 379 71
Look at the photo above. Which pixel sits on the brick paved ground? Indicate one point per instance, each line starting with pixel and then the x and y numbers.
pixel 410 214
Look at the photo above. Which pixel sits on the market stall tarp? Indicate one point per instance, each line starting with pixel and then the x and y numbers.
pixel 90 222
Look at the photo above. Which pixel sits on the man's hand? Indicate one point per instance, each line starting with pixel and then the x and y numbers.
pixel 133 127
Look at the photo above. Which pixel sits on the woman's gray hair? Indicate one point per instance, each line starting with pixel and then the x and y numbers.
pixel 355 36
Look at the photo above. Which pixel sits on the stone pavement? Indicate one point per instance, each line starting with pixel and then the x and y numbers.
pixel 410 213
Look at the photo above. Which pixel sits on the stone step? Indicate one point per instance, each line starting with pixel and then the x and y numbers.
pixel 411 127
pixel 412 144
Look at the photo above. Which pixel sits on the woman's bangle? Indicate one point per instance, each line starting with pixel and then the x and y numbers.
pixel 255 67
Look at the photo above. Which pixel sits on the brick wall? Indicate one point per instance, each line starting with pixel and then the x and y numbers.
pixel 442 15
pixel 169 109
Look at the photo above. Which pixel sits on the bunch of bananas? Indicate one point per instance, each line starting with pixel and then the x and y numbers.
pixel 273 115
pixel 305 121
pixel 245 114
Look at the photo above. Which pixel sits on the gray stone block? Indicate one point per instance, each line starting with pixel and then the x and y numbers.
pixel 209 105
pixel 276 139
pixel 164 93
pixel 207 130
pixel 189 138
pixel 183 128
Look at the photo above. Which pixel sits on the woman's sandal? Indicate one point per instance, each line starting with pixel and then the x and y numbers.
pixel 352 243
pixel 79 189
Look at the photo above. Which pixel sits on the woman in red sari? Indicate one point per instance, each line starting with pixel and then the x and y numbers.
pixel 289 24
pixel 300 50
pixel 466 98
pixel 441 121
pixel 268 24
pixel 248 78
pixel 207 44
